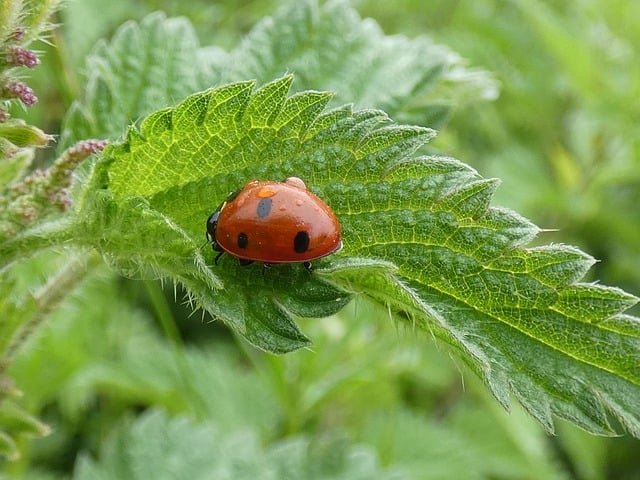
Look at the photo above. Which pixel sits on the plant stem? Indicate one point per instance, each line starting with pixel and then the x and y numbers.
pixel 48 298
pixel 163 312
pixel 29 242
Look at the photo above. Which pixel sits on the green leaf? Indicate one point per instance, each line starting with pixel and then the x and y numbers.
pixel 413 80
pixel 14 166
pixel 152 216
pixel 419 234
pixel 155 63
pixel 22 135
pixel 473 442
pixel 145 66
pixel 155 446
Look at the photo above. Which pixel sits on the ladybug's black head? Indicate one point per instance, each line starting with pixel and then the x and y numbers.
pixel 212 223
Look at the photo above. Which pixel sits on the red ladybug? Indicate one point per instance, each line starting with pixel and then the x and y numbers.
pixel 274 222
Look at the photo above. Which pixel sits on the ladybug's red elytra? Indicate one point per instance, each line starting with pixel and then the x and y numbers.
pixel 274 222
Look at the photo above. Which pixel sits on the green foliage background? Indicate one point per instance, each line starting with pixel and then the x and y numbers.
pixel 370 400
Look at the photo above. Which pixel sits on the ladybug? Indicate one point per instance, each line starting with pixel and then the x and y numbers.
pixel 274 222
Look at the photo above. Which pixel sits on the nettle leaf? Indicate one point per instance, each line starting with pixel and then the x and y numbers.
pixel 155 446
pixel 144 67
pixel 168 176
pixel 413 80
pixel 420 237
pixel 157 62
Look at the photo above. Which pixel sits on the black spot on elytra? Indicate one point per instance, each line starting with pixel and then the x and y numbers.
pixel 301 242
pixel 264 207
pixel 243 240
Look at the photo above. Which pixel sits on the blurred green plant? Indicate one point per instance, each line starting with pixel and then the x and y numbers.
pixel 439 259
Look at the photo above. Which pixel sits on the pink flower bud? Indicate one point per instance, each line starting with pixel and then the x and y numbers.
pixel 22 91
pixel 20 56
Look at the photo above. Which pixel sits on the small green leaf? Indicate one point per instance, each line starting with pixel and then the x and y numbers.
pixel 145 67
pixel 23 135
pixel 14 166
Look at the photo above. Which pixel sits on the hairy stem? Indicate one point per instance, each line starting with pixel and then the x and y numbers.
pixel 48 298
pixel 31 241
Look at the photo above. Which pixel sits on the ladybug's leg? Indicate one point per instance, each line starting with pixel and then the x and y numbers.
pixel 308 266
pixel 244 262
pixel 265 267
pixel 218 257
